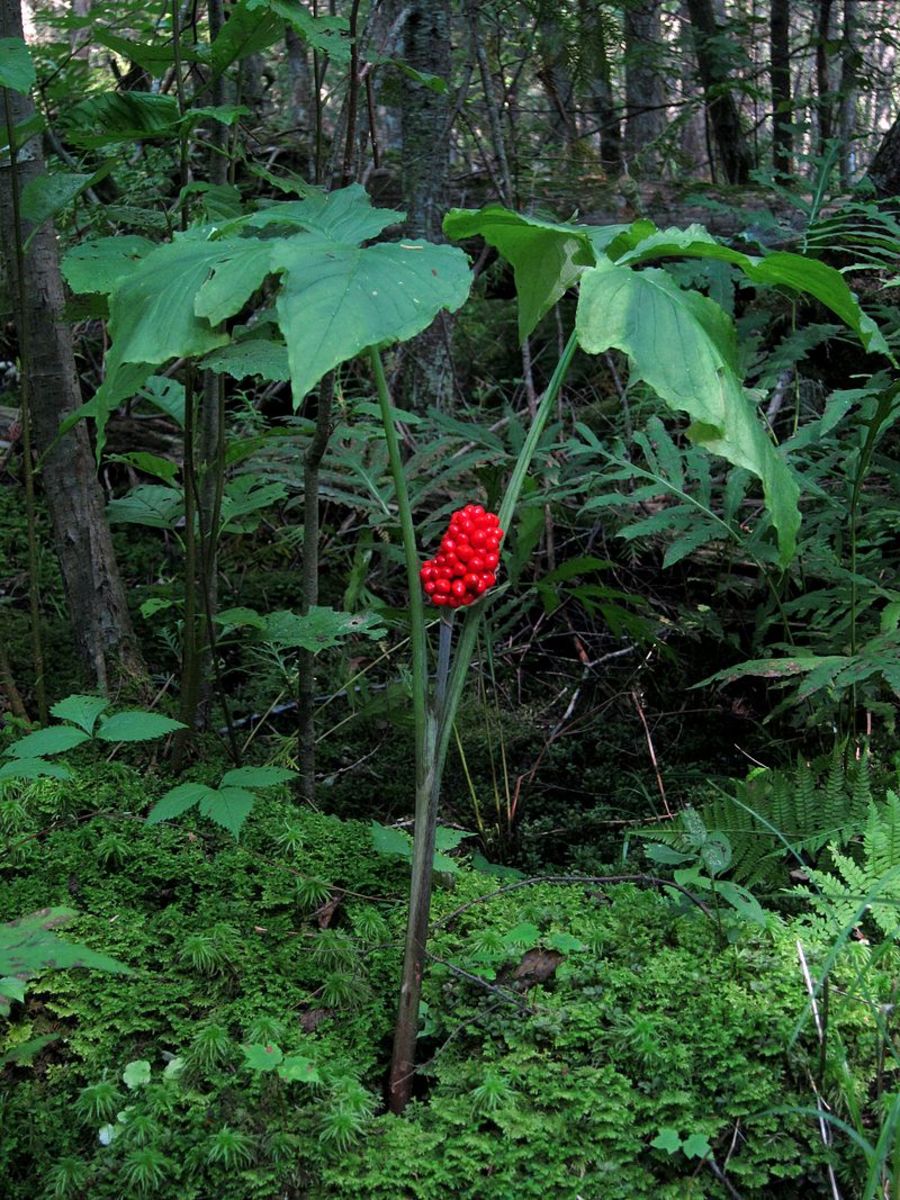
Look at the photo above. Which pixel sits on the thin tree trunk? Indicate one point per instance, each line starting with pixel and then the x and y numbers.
pixel 425 121
pixel 782 138
pixel 724 117
pixel 600 86
pixel 884 170
pixel 96 598
pixel 824 90
pixel 694 144
pixel 847 113
pixel 645 117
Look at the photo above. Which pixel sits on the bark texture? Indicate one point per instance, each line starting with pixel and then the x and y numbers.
pixel 426 169
pixel 722 110
pixel 96 598
pixel 645 114
pixel 780 71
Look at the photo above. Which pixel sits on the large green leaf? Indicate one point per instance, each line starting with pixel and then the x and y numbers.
pixel 345 215
pixel 99 265
pixel 253 356
pixel 643 242
pixel 152 315
pixel 16 67
pixel 244 33
pixel 108 117
pixel 547 257
pixel 321 33
pixel 337 300
pixel 683 345
pixel 238 268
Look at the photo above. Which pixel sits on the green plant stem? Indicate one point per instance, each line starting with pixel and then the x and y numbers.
pixel 190 649
pixel 34 587
pixel 433 736
pixel 403 1059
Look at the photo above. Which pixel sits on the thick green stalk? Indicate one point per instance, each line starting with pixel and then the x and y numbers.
pixel 433 732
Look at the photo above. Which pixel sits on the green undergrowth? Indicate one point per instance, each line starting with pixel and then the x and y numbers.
pixel 578 1039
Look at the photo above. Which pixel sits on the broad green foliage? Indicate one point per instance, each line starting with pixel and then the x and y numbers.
pixel 29 946
pixel 681 343
pixel 227 805
pixel 334 297
pixel 16 67
pixel 81 715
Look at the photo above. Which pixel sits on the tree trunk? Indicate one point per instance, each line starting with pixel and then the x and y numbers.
pixel 825 93
pixel 555 77
pixel 847 112
pixel 693 141
pixel 884 170
pixel 722 110
pixel 590 18
pixel 779 33
pixel 645 116
pixel 425 161
pixel 96 598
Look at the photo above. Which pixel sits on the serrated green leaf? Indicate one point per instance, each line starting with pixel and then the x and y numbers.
pixel 16 68
pixel 446 838
pixel 387 840
pixel 152 504
pixel 177 800
pixel 136 726
pixel 33 768
pixel 260 1057
pixel 82 711
pixel 53 740
pixel 228 807
pixel 257 777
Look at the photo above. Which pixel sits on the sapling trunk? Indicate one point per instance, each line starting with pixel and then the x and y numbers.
pixel 306 663
pixel 433 727
pixel 34 607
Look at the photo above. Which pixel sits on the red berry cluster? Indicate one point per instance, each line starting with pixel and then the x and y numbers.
pixel 468 558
